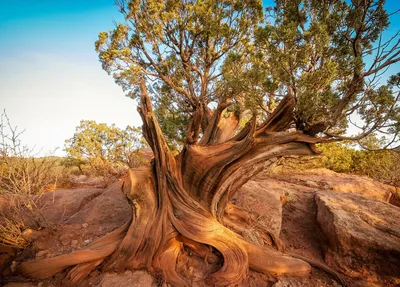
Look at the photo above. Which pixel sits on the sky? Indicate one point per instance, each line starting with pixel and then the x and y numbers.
pixel 50 76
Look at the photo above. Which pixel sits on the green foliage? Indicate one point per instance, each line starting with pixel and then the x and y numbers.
pixel 317 50
pixel 103 148
pixel 382 165
pixel 179 46
pixel 169 39
pixel 172 122
pixel 196 53
pixel 338 156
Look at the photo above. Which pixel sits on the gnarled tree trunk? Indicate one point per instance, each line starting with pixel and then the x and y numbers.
pixel 184 200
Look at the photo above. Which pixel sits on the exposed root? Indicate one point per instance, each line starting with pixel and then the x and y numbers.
pixel 275 240
pixel 271 261
pixel 45 268
pixel 81 271
pixel 199 249
pixel 337 276
pixel 167 261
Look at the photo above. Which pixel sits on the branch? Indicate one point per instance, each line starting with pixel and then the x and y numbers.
pixel 151 129
pixel 194 126
pixel 280 118
pixel 212 134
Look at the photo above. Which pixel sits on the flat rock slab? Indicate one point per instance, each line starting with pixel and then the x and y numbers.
pixel 325 179
pixel 264 199
pixel 128 279
pixel 92 207
pixel 362 231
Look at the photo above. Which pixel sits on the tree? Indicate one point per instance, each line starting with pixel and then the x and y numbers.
pixel 102 146
pixel 250 92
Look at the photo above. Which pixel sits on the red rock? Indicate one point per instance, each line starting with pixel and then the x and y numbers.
pixel 128 278
pixel 363 233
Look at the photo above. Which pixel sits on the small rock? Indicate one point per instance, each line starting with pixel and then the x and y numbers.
pixel 311 183
pixel 74 243
pixel 30 234
pixel 85 225
pixel 13 266
pixel 128 278
pixel 65 242
pixel 65 236
pixel 87 241
pixel 42 253
pixel 289 282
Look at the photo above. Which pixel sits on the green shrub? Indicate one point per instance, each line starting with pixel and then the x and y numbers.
pixel 103 150
pixel 344 157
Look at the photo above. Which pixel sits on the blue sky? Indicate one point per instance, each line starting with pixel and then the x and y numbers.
pixel 50 77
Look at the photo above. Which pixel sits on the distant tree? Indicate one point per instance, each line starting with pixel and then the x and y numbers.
pixel 101 146
pixel 246 93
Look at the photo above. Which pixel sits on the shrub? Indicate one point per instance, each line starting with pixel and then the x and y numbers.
pixel 381 165
pixel 23 179
pixel 102 150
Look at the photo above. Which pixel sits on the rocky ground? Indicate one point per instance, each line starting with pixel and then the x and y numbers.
pixel 349 223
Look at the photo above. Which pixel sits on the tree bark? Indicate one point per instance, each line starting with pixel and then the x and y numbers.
pixel 183 200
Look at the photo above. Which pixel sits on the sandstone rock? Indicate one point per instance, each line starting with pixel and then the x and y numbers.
pixel 110 209
pixel 61 205
pixel 362 185
pixel 361 232
pixel 127 279
pixel 338 182
pixel 90 208
pixel 74 243
pixel 42 253
pixel 264 199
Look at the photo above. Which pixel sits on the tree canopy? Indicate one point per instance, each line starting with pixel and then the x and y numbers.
pixel 195 54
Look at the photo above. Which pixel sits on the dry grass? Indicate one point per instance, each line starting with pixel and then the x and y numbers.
pixel 11 233
pixel 23 179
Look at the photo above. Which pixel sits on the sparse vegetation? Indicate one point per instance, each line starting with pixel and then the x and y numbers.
pixel 346 157
pixel 11 233
pixel 23 180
